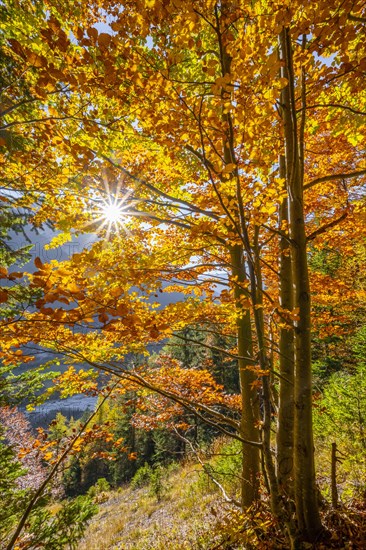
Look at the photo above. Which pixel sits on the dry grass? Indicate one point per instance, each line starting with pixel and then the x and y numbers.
pixel 192 516
pixel 133 519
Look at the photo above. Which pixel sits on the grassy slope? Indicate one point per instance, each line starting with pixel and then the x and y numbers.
pixel 192 515
pixel 135 519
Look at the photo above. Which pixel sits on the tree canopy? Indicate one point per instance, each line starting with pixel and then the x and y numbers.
pixel 217 151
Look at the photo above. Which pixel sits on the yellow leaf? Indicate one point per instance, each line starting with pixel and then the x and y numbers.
pixel 73 288
pixel 59 240
pixel 229 168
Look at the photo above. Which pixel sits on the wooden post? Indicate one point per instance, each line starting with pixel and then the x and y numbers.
pixel 333 476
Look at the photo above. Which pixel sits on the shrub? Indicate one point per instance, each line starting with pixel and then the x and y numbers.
pixel 152 477
pixel 225 466
pixel 142 476
pixel 157 488
pixel 99 489
pixel 340 417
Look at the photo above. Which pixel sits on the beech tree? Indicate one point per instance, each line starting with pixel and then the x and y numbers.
pixel 223 137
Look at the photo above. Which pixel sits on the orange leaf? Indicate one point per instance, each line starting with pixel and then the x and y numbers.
pixel 117 291
pixel 38 263
pixel 104 40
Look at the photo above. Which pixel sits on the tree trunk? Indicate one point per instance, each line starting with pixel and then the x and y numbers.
pixel 333 476
pixel 249 394
pixel 306 500
pixel 285 418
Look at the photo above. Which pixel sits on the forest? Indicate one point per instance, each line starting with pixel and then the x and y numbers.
pixel 183 244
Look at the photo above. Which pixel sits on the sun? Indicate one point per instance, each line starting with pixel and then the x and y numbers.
pixel 112 212
pixel 110 208
pixel 109 215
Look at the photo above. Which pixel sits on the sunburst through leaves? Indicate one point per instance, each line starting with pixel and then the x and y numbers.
pixel 110 214
pixel 111 207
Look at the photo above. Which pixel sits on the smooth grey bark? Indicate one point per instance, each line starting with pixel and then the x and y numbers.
pixel 306 498
pixel 250 416
pixel 285 418
pixel 249 396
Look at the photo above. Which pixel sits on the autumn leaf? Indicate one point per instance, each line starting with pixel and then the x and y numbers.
pixel 4 295
pixel 104 40
pixel 38 263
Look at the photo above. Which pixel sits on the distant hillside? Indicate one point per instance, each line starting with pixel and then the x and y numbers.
pixel 73 406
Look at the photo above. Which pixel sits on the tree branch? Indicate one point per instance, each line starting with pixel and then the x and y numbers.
pixel 154 189
pixel 207 469
pixel 335 105
pixel 356 18
pixel 334 177
pixel 325 227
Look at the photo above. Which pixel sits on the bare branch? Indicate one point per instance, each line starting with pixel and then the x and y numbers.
pixel 207 469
